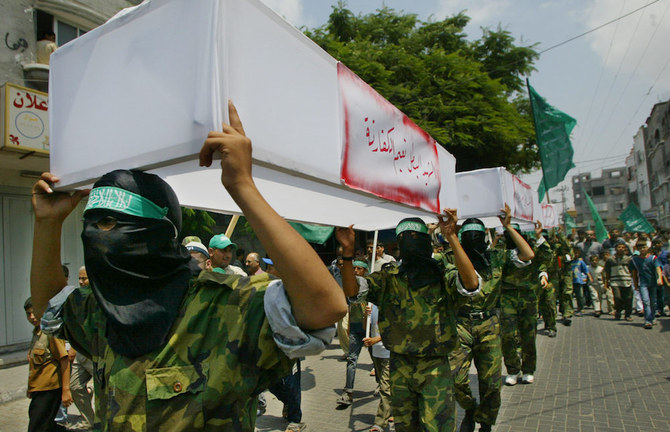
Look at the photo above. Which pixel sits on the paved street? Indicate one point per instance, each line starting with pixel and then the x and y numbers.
pixel 597 375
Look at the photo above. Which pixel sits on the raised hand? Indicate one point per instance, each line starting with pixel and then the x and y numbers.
pixel 505 216
pixel 346 237
pixel 50 205
pixel 447 223
pixel 235 149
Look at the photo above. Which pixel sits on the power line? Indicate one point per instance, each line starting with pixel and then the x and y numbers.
pixel 597 28
pixel 637 65
pixel 602 72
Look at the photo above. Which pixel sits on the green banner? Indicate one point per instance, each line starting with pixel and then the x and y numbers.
pixel 569 222
pixel 313 233
pixel 552 130
pixel 634 220
pixel 601 231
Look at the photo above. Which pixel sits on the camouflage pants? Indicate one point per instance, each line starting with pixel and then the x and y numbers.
pixel 547 304
pixel 479 341
pixel 565 294
pixel 519 320
pixel 422 394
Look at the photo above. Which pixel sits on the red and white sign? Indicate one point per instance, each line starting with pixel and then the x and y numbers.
pixel 549 216
pixel 523 200
pixel 386 153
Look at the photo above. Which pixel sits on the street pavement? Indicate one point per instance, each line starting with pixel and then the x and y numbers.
pixel 597 375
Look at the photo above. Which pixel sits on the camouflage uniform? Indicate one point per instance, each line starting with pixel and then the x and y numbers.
pixel 478 327
pixel 418 326
pixel 206 377
pixel 547 296
pixel 563 250
pixel 518 304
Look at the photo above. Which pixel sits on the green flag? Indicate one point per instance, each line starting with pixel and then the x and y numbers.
pixel 569 222
pixel 601 231
pixel 634 220
pixel 552 131
pixel 313 233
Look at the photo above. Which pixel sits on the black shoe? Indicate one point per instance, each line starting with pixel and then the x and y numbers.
pixel 567 322
pixel 468 423
pixel 484 428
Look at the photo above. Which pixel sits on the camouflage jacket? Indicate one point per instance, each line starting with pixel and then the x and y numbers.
pixel 488 297
pixel 415 321
pixel 515 277
pixel 563 250
pixel 220 356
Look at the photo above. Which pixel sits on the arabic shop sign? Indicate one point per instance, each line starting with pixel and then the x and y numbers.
pixel 26 119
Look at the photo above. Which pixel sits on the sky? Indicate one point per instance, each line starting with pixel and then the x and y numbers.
pixel 608 80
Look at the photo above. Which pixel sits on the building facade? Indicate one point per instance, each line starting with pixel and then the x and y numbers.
pixel 658 161
pixel 609 194
pixel 638 175
pixel 24 146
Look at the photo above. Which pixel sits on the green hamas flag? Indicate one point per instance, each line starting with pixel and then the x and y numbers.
pixel 552 130
pixel 569 222
pixel 601 231
pixel 313 233
pixel 634 220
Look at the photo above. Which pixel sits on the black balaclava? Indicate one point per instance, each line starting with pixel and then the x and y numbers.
pixel 416 254
pixel 138 270
pixel 473 239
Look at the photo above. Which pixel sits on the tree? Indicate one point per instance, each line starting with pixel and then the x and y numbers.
pixel 465 94
pixel 196 222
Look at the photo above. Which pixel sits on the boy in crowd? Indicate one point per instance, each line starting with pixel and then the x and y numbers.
pixel 49 378
pixel 617 277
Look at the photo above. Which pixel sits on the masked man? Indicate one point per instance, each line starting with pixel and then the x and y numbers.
pixel 518 304
pixel 172 352
pixel 416 321
pixel 478 322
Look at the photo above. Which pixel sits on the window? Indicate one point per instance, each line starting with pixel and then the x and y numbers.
pixel 602 207
pixel 618 190
pixel 615 174
pixel 576 180
pixel 65 32
pixel 598 190
pixel 619 206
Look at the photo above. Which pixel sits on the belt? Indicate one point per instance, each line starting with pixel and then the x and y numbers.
pixel 476 314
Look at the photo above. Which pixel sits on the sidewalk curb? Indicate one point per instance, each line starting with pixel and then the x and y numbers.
pixel 12 395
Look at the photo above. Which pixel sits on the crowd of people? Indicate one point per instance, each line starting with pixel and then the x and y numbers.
pixel 176 335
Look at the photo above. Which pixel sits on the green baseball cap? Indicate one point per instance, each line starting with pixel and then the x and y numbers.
pixel 220 241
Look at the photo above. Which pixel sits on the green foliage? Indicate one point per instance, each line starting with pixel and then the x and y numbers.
pixel 467 95
pixel 196 222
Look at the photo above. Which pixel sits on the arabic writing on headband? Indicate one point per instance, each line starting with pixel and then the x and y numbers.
pixel 383 142
pixel 33 101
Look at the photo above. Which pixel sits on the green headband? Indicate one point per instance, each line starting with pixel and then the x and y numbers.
pixel 362 264
pixel 411 226
pixel 123 201
pixel 472 227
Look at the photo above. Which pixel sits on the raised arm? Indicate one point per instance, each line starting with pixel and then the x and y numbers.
pixel 51 208
pixel 346 238
pixel 466 270
pixel 316 298
pixel 525 251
